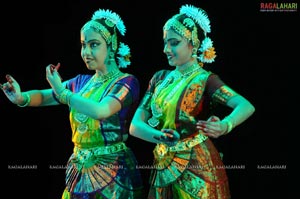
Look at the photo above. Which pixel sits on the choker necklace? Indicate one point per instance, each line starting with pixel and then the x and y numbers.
pixel 187 71
pixel 101 79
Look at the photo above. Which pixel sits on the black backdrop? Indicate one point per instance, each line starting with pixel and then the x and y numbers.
pixel 253 53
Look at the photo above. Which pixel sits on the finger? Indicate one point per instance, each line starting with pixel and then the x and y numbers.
pixel 168 135
pixel 164 137
pixel 212 125
pixel 213 119
pixel 10 81
pixel 9 78
pixel 200 121
pixel 11 88
pixel 210 135
pixel 1 86
pixel 7 88
pixel 57 66
pixel 168 131
pixel 157 137
pixel 52 68
pixel 203 123
pixel 208 130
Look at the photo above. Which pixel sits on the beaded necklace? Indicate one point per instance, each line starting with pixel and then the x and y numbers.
pixel 98 81
pixel 173 76
pixel 94 83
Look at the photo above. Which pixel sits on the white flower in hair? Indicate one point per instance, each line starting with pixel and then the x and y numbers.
pixel 123 63
pixel 206 44
pixel 124 52
pixel 111 16
pixel 207 50
pixel 198 15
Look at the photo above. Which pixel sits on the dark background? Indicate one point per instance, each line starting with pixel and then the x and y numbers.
pixel 254 56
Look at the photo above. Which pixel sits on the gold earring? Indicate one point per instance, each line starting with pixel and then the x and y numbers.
pixel 111 55
pixel 194 52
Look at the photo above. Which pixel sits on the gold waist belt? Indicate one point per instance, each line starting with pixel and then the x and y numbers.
pixel 187 143
pixel 85 157
pixel 101 150
pixel 162 149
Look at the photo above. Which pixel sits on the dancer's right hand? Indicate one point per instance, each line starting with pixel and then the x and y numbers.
pixel 12 90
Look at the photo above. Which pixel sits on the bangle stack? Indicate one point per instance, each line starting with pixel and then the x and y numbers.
pixel 27 99
pixel 65 96
pixel 229 123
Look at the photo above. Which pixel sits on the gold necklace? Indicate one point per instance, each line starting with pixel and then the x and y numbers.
pixel 98 81
pixel 93 82
pixel 156 109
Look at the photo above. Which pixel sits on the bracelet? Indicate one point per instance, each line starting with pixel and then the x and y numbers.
pixel 65 96
pixel 27 100
pixel 229 123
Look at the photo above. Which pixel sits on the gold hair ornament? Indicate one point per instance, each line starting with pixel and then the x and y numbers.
pixel 183 30
pixel 199 16
pixel 114 21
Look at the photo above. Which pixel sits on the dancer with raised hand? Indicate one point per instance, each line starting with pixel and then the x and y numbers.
pixel 101 108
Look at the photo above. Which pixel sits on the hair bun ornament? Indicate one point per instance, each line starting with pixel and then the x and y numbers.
pixel 198 15
pixel 112 17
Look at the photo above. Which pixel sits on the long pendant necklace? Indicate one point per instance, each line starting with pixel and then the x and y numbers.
pixel 157 109
pixel 93 83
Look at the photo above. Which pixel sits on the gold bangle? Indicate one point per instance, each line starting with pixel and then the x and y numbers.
pixel 229 123
pixel 27 100
pixel 65 96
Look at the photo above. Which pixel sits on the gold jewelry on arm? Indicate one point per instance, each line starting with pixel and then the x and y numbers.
pixel 64 96
pixel 26 101
pixel 223 94
pixel 230 124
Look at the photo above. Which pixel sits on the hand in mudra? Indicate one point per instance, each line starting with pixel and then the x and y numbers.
pixel 12 90
pixel 212 127
pixel 169 137
pixel 54 78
